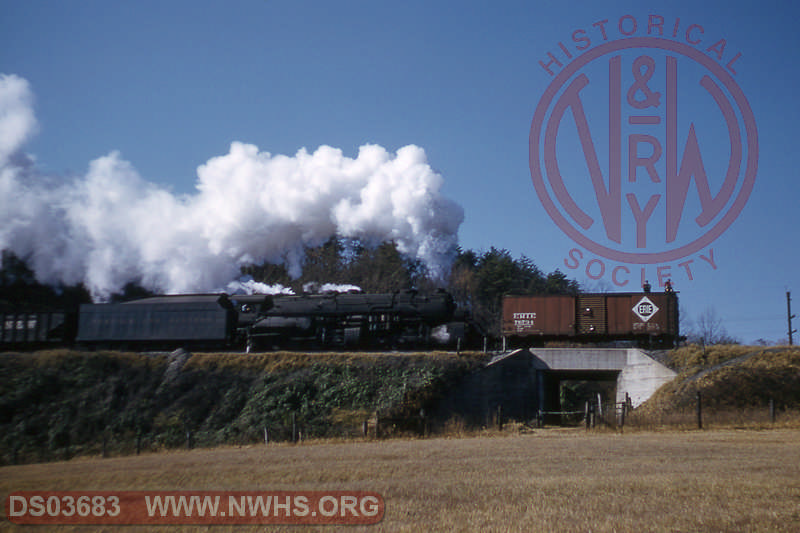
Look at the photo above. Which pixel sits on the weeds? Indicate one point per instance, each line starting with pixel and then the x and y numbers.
pixel 62 403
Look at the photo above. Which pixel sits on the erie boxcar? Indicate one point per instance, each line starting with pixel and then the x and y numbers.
pixel 645 318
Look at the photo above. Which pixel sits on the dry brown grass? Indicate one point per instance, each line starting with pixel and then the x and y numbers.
pixel 272 361
pixel 545 480
pixel 752 418
pixel 737 385
pixel 694 357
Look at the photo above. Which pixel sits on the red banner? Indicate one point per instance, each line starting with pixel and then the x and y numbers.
pixel 194 507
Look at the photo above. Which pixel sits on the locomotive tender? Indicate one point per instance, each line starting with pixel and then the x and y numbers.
pixel 186 321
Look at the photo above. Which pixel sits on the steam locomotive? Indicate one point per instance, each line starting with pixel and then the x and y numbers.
pixel 397 320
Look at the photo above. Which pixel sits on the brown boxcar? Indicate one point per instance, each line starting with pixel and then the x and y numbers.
pixel 654 313
pixel 525 316
pixel 593 317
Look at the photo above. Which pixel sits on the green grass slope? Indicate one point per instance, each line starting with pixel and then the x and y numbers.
pixel 62 403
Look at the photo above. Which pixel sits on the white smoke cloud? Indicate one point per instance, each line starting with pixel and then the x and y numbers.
pixel 17 121
pixel 111 226
pixel 247 285
pixel 313 287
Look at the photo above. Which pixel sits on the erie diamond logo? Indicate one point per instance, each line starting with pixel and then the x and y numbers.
pixel 645 309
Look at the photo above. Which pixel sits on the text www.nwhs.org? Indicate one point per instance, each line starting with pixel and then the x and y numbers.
pixel 194 507
pixel 263 506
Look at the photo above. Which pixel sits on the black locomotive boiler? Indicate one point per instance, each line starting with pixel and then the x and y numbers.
pixel 380 321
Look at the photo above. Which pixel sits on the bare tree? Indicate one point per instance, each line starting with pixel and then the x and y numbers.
pixel 685 323
pixel 709 329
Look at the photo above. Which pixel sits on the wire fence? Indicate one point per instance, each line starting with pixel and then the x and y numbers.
pixel 622 415
pixel 596 415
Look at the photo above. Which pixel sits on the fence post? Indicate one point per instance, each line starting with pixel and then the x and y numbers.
pixel 294 427
pixel 772 410
pixel 499 418
pixel 586 412
pixel 138 441
pixel 266 436
pixel 699 410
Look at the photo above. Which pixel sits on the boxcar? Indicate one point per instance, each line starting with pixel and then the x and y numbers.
pixel 641 317
pixel 36 328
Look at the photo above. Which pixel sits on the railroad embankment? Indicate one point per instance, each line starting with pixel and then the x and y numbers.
pixel 63 403
pixel 60 404
pixel 728 379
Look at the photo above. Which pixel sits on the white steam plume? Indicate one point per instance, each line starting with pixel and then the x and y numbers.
pixel 247 285
pixel 111 227
pixel 17 121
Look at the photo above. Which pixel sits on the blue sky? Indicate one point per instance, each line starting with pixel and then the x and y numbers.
pixel 171 85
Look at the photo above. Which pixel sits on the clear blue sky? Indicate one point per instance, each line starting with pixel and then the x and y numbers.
pixel 172 84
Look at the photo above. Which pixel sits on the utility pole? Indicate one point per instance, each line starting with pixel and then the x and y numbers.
pixel 790 315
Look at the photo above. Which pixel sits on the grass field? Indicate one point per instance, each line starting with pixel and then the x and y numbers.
pixel 545 480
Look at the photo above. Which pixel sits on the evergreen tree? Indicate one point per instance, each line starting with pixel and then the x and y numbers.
pixel 383 269
pixel 20 290
pixel 479 282
pixel 325 263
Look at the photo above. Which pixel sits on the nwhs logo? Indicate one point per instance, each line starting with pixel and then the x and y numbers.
pixel 643 148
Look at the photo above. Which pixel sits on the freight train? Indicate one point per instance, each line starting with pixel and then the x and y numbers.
pixel 644 318
pixel 399 320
